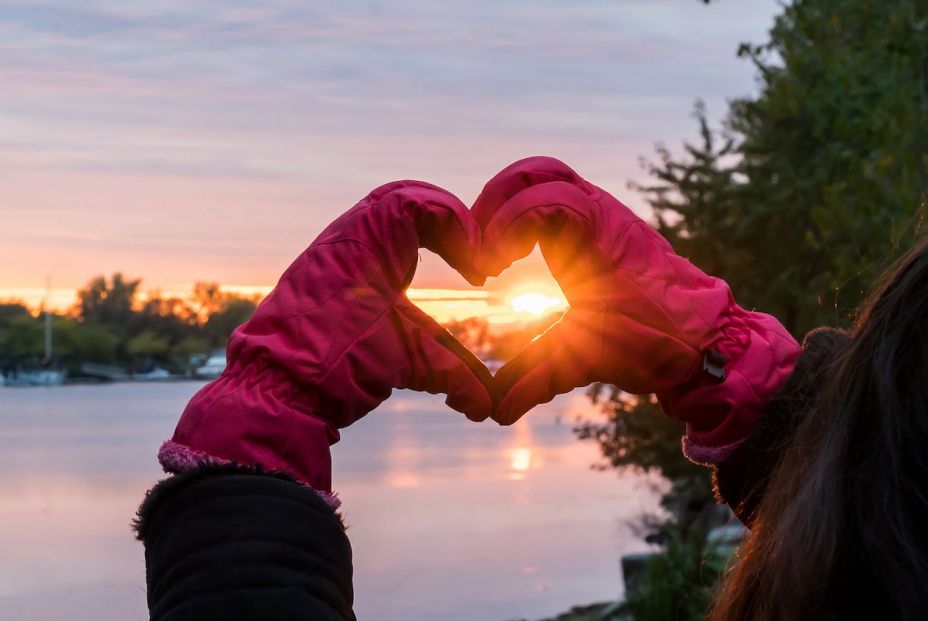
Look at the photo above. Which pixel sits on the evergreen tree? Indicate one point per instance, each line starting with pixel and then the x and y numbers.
pixel 807 192
pixel 818 182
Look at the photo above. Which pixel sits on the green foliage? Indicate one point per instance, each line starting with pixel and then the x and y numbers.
pixel 108 303
pixel 113 328
pixel 807 192
pixel 22 341
pixel 230 314
pixel 23 338
pixel 10 311
pixel 637 434
pixel 76 342
pixel 148 344
pixel 817 183
pixel 812 188
pixel 677 584
pixel 84 341
pixel 189 346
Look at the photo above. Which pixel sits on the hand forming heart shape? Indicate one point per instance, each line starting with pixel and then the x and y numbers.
pixel 338 333
pixel 640 316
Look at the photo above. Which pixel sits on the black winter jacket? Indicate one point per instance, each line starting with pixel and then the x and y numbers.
pixel 236 543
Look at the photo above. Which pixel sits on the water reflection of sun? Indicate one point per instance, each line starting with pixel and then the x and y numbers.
pixel 521 452
pixel 520 459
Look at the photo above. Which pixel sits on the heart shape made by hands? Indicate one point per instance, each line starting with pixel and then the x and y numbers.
pixel 542 201
pixel 640 316
pixel 338 333
pixel 584 235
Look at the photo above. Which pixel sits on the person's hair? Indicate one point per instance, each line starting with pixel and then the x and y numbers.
pixel 842 531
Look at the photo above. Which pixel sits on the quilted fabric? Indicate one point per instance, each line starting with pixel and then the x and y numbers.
pixel 640 316
pixel 228 544
pixel 333 339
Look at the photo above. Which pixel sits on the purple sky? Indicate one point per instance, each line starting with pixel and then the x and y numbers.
pixel 181 141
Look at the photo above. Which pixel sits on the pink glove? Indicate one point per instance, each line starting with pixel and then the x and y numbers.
pixel 334 338
pixel 640 316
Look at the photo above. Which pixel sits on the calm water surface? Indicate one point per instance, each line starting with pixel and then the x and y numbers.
pixel 449 520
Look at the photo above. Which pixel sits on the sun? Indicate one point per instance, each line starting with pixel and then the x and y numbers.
pixel 535 303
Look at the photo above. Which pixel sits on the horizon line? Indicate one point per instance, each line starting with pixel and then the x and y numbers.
pixel 443 304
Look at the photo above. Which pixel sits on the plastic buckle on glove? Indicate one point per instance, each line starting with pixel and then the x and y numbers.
pixel 713 363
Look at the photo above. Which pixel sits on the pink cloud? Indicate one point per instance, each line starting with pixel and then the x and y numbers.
pixel 180 142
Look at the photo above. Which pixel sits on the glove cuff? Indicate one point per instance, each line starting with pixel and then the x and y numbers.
pixel 252 426
pixel 721 409
pixel 708 455
pixel 177 458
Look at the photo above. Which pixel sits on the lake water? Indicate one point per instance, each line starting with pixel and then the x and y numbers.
pixel 449 520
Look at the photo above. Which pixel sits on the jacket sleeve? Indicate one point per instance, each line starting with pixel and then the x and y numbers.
pixel 741 480
pixel 230 542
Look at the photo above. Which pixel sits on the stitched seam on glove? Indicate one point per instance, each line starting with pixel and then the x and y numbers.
pixel 527 210
pixel 670 282
pixel 367 331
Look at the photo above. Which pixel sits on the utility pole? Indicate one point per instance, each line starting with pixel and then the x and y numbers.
pixel 48 321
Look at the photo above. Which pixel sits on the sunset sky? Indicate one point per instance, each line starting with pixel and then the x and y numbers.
pixel 179 141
